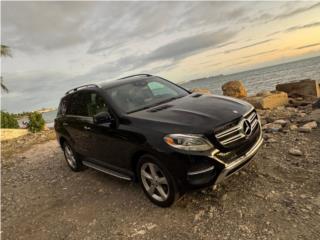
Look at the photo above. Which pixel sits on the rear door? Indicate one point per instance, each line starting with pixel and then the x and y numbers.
pixel 77 122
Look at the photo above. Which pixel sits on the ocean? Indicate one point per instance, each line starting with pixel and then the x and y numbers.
pixel 254 80
pixel 264 78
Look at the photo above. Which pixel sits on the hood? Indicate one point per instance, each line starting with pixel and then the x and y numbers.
pixel 193 113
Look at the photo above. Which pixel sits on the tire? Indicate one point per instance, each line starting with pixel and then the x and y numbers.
pixel 156 181
pixel 72 158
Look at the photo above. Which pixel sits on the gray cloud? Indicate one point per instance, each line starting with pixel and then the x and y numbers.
pixel 290 13
pixel 260 53
pixel 309 45
pixel 185 46
pixel 295 28
pixel 172 52
pixel 31 26
pixel 249 46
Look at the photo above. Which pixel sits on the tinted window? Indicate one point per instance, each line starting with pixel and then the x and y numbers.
pixel 62 107
pixel 96 104
pixel 86 104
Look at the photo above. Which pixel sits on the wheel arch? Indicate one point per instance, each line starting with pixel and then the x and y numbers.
pixel 135 159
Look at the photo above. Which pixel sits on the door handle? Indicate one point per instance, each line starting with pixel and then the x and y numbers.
pixel 86 128
pixel 65 124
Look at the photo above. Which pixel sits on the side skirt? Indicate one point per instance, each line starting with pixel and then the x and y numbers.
pixel 106 170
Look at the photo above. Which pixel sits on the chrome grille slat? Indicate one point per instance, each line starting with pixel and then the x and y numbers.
pixel 252 117
pixel 232 139
pixel 236 133
pixel 229 131
pixel 254 124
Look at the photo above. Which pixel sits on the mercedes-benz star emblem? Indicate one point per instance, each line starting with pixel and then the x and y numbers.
pixel 246 127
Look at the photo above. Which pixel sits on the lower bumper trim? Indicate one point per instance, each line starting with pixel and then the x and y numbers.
pixel 240 162
pixel 201 171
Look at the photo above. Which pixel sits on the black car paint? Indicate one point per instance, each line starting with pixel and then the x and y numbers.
pixel 118 145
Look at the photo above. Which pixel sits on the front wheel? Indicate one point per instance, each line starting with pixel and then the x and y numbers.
pixel 156 182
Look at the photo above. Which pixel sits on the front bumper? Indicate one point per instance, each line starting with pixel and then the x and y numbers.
pixel 219 170
pixel 239 163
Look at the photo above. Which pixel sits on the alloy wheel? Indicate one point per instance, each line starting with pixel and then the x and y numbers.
pixel 154 181
pixel 70 156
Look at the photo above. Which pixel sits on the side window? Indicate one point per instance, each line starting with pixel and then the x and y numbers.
pixel 86 104
pixel 62 107
pixel 78 104
pixel 96 104
pixel 159 89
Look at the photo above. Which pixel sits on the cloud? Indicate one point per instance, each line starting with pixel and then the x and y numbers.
pixel 34 26
pixel 188 45
pixel 308 46
pixel 260 53
pixel 168 54
pixel 249 46
pixel 296 11
pixel 295 28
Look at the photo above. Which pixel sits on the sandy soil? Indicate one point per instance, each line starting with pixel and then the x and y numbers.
pixel 276 197
pixel 6 134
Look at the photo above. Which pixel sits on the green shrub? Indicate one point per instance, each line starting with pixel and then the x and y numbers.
pixel 36 122
pixel 8 120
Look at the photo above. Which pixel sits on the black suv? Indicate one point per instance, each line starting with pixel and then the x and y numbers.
pixel 146 128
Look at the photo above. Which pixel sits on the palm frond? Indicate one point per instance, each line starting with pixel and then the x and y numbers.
pixel 3 87
pixel 5 51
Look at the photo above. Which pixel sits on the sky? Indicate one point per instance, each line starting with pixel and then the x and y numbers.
pixel 60 45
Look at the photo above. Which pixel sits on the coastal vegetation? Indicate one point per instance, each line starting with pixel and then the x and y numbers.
pixel 8 120
pixel 36 122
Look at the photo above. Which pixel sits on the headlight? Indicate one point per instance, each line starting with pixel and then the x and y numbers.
pixel 188 142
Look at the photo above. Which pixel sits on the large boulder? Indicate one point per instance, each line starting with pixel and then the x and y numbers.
pixel 268 100
pixel 234 89
pixel 201 90
pixel 302 88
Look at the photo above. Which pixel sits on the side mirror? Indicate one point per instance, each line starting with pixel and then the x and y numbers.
pixel 102 117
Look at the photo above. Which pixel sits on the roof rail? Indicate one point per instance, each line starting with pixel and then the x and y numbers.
pixel 136 75
pixel 78 88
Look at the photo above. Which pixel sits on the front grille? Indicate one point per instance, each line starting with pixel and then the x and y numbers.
pixel 229 157
pixel 233 133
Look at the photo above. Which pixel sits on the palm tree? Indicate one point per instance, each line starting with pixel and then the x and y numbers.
pixel 5 52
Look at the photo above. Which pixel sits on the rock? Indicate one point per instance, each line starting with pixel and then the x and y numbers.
pixel 310 125
pixel 301 114
pixel 272 127
pixel 304 130
pixel 263 93
pixel 314 116
pixel 295 152
pixel 301 88
pixel 299 103
pixel 201 90
pixel 281 122
pixel 275 99
pixel 293 127
pixel 271 140
pixel 234 89
pixel 316 104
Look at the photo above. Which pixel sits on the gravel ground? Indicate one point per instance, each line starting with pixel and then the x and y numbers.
pixel 276 197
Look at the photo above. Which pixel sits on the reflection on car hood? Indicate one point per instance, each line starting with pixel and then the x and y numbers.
pixel 194 112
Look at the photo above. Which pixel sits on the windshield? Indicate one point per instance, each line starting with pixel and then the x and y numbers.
pixel 144 93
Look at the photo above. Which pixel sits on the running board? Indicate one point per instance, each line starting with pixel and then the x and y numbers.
pixel 107 171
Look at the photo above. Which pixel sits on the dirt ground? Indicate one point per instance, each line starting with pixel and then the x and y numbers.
pixel 276 197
